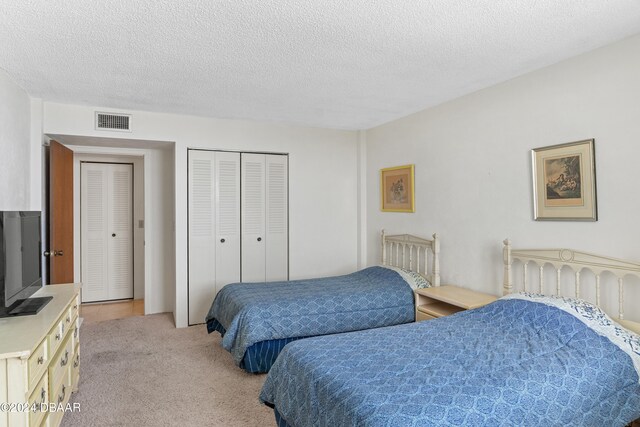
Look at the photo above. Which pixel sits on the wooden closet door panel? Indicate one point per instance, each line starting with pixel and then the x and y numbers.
pixel 277 220
pixel 227 214
pixel 93 206
pixel 253 217
pixel 202 245
pixel 60 214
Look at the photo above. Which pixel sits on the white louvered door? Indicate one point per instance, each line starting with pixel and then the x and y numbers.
pixel 106 201
pixel 277 218
pixel 93 205
pixel 265 221
pixel 214 227
pixel 227 214
pixel 253 218
pixel 120 231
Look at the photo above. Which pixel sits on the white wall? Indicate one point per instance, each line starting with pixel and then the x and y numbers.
pixel 473 168
pixel 15 142
pixel 323 219
pixel 36 151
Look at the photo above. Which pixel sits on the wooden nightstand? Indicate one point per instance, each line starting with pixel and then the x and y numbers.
pixel 444 300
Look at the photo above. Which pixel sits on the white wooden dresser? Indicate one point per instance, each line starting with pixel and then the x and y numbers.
pixel 40 360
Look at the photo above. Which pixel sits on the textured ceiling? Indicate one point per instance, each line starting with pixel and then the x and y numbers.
pixel 349 64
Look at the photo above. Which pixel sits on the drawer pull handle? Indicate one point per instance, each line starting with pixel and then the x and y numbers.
pixel 75 333
pixel 76 362
pixel 43 394
pixel 75 307
pixel 40 360
pixel 58 336
pixel 68 319
pixel 63 362
pixel 64 392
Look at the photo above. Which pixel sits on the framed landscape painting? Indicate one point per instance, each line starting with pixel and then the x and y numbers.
pixel 564 182
pixel 396 185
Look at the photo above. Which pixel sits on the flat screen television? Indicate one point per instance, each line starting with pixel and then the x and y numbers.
pixel 20 262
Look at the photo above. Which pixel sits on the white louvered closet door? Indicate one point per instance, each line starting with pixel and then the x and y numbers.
pixel 265 228
pixel 107 231
pixel 253 218
pixel 214 227
pixel 227 219
pixel 277 218
pixel 93 205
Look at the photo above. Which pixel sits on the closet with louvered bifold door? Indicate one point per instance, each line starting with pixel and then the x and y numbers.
pixel 238 223
pixel 265 242
pixel 106 211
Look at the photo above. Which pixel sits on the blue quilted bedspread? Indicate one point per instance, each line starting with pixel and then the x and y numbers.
pixel 255 312
pixel 513 362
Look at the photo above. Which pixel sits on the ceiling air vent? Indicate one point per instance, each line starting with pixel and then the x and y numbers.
pixel 111 121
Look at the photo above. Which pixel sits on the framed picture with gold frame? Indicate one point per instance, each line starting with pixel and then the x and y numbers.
pixel 564 182
pixel 397 189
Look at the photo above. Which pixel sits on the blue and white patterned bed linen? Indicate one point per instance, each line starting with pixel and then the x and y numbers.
pixel 595 318
pixel 512 362
pixel 255 312
pixel 414 279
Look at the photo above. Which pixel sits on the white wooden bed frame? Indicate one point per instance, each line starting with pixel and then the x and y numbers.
pixel 407 251
pixel 576 261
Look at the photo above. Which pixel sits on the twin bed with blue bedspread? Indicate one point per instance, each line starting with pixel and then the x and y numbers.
pixel 258 319
pixel 525 360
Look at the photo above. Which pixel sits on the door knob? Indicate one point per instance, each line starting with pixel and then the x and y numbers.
pixel 222 240
pixel 113 234
pixel 46 253
pixel 259 239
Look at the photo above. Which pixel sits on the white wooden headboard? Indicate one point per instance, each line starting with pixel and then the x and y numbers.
pixel 577 261
pixel 412 253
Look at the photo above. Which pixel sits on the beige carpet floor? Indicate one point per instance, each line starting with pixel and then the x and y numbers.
pixel 141 371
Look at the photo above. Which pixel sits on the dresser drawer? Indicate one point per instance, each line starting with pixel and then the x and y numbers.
pixel 68 318
pixel 62 393
pixel 39 399
pixel 75 332
pixel 75 370
pixel 75 307
pixel 59 368
pixel 59 396
pixel 56 336
pixel 64 324
pixel 37 363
